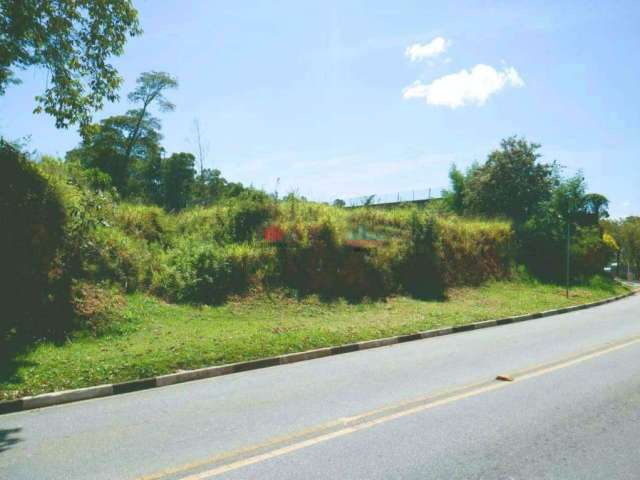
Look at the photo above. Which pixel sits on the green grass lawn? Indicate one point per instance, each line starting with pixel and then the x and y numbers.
pixel 153 337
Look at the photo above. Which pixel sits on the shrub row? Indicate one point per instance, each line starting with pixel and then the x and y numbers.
pixel 61 230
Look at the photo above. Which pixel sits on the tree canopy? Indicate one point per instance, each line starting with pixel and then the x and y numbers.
pixel 150 90
pixel 125 152
pixel 73 41
pixel 511 183
pixel 514 183
pixel 626 233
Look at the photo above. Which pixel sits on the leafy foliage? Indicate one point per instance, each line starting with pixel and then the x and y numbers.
pixel 542 205
pixel 104 148
pixel 150 88
pixel 420 269
pixel 511 183
pixel 178 173
pixel 570 212
pixel 455 198
pixel 72 40
pixel 626 233
pixel 33 233
pixel 207 273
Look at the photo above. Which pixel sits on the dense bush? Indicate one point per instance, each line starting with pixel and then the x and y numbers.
pixel 316 257
pixel 311 256
pixel 33 222
pixel 96 307
pixel 207 253
pixel 234 220
pixel 411 250
pixel 589 252
pixel 146 222
pixel 124 260
pixel 420 270
pixel 201 272
pixel 543 249
pixel 246 215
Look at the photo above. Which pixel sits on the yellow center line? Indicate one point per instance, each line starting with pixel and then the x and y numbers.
pixel 408 410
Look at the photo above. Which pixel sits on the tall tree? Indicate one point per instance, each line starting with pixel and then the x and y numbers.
pixel 150 89
pixel 511 183
pixel 104 147
pixel 73 41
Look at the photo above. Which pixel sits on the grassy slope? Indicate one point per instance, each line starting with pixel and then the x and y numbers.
pixel 155 337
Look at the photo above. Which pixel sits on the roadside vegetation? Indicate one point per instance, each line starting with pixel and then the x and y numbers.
pixel 123 260
pixel 105 288
pixel 143 336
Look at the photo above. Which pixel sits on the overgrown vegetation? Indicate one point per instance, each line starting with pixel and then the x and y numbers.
pixel 87 271
pixel 204 254
pixel 624 235
pixel 544 207
pixel 74 40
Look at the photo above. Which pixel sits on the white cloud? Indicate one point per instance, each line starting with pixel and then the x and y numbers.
pixel 465 87
pixel 418 52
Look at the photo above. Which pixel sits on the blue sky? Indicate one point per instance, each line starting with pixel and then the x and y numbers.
pixel 340 99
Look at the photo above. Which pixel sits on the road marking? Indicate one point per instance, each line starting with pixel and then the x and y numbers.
pixel 359 422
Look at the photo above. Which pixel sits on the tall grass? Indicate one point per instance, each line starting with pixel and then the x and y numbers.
pixel 474 251
pixel 204 254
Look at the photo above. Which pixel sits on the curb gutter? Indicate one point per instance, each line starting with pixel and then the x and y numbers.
pixel 67 396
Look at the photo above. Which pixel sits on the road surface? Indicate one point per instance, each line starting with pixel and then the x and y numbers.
pixel 429 409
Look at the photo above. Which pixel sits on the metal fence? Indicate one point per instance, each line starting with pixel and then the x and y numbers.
pixel 418 195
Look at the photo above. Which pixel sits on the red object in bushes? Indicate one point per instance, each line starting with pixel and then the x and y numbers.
pixel 273 233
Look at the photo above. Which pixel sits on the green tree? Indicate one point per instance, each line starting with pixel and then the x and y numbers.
pixel 543 236
pixel 127 147
pixel 571 201
pixel 178 172
pixel 568 200
pixel 149 90
pixel 104 147
pixel 455 198
pixel 73 41
pixel 511 183
pixel 629 241
pixel 209 186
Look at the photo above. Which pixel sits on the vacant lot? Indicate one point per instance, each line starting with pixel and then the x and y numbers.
pixel 150 337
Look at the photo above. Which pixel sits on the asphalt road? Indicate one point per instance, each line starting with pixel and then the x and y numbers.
pixel 428 409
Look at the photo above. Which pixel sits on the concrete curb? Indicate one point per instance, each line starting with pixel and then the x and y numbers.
pixel 67 396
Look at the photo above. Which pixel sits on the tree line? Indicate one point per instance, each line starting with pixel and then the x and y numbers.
pixel 547 210
pixel 124 152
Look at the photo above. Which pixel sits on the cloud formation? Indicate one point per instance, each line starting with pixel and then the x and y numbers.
pixel 472 87
pixel 418 52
